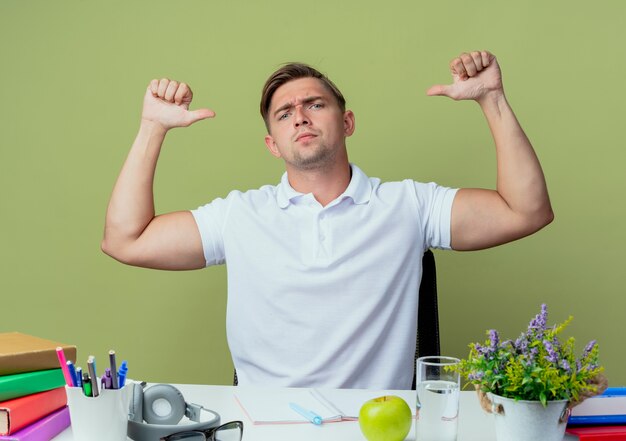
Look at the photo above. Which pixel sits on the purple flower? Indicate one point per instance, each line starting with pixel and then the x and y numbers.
pixel 521 344
pixel 531 355
pixel 552 356
pixel 539 322
pixel 482 350
pixel 589 348
pixel 528 360
pixel 591 364
pixel 477 376
pixel 494 339
pixel 565 365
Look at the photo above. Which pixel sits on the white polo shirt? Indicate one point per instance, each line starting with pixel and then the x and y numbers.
pixel 325 296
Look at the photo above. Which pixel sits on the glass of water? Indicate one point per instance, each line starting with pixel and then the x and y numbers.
pixel 438 385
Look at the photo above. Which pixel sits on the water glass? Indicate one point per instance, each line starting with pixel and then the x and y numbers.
pixel 438 386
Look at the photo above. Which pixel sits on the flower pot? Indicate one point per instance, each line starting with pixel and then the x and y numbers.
pixel 529 420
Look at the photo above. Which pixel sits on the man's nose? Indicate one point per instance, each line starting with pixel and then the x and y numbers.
pixel 301 117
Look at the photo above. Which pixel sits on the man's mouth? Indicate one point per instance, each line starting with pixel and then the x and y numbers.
pixel 305 136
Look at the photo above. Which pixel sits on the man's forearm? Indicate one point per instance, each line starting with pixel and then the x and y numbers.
pixel 131 207
pixel 520 180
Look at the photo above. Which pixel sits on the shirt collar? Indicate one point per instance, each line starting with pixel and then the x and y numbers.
pixel 359 189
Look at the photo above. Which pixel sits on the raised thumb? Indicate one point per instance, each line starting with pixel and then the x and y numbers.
pixel 199 114
pixel 438 90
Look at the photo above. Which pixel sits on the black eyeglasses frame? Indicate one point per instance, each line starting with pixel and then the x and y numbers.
pixel 209 434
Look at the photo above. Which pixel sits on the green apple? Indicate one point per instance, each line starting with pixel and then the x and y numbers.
pixel 385 418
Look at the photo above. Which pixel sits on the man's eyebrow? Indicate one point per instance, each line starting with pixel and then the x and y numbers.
pixel 289 105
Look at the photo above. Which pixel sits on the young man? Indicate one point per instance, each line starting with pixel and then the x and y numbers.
pixel 323 268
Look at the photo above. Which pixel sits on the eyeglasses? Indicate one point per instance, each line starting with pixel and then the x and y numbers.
pixel 232 431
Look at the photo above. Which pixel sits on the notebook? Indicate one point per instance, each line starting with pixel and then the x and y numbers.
pixel 269 406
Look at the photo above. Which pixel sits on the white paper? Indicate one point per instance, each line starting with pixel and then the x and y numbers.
pixel 271 406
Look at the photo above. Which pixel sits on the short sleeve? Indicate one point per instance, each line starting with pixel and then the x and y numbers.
pixel 210 219
pixel 435 210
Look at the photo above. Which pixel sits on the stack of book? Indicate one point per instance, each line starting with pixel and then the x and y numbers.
pixel 602 417
pixel 33 403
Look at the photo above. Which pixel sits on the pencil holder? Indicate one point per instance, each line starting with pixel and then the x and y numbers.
pixel 101 418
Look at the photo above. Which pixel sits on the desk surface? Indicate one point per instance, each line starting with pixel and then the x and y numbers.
pixel 474 423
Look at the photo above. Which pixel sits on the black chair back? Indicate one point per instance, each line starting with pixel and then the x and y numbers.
pixel 427 339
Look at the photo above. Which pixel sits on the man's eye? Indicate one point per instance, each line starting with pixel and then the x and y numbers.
pixel 283 116
pixel 316 106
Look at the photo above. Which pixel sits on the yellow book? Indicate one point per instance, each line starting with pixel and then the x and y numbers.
pixel 25 353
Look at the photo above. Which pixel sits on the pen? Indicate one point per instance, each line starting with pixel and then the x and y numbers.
pixel 79 377
pixel 63 363
pixel 113 371
pixel 122 374
pixel 87 384
pixel 92 373
pixel 106 380
pixel 72 370
pixel 308 414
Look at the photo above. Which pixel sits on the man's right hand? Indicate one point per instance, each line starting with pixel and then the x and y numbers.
pixel 166 103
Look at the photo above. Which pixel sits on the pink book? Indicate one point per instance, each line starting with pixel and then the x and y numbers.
pixel 44 429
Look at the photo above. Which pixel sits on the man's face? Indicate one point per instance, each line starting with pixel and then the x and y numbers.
pixel 307 127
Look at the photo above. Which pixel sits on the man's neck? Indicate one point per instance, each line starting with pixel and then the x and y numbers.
pixel 325 184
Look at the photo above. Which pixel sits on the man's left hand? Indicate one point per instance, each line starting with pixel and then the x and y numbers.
pixel 475 75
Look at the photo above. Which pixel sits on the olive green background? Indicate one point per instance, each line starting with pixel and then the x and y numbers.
pixel 72 77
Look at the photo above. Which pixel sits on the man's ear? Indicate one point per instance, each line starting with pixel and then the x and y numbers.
pixel 348 123
pixel 271 146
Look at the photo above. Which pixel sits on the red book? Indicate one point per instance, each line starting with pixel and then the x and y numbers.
pixel 20 412
pixel 44 429
pixel 591 433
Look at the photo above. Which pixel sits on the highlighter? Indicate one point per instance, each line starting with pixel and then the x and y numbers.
pixel 122 374
pixel 87 384
pixel 308 414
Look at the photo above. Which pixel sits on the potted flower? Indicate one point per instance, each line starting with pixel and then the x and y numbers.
pixel 531 383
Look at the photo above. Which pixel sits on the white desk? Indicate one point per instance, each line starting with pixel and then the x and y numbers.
pixel 474 423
